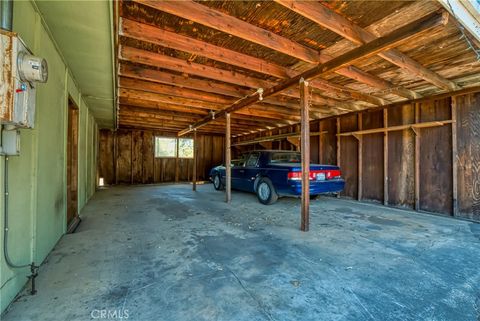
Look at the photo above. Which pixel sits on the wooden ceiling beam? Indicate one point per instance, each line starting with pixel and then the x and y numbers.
pixel 136 100
pixel 143 32
pixel 248 114
pixel 335 22
pixel 232 25
pixel 386 42
pixel 158 60
pixel 217 20
pixel 125 109
pixel 141 73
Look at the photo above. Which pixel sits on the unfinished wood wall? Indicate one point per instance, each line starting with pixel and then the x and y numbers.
pixel 364 169
pixel 127 157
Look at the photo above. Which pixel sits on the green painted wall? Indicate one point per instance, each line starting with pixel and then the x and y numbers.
pixel 37 178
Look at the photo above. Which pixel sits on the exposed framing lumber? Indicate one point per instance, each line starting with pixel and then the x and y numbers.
pixel 360 157
pixel 179 65
pixel 275 137
pixel 228 160
pixel 305 151
pixel 454 157
pixel 195 156
pixel 385 157
pixel 417 158
pixel 339 140
pixel 217 20
pixel 414 127
pixel 156 35
pixel 384 43
pixel 231 25
pixel 349 30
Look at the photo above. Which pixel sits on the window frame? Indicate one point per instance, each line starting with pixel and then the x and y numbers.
pixel 155 146
pixel 177 151
pixel 178 148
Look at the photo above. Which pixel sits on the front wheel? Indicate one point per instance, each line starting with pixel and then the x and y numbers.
pixel 266 193
pixel 217 182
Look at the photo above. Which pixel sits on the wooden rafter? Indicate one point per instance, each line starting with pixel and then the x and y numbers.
pixel 349 30
pixel 225 23
pixel 147 33
pixel 372 48
pixel 179 65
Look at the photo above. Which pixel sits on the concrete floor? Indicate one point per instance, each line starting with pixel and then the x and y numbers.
pixel 165 253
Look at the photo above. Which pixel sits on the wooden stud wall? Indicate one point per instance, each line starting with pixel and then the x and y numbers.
pixel 136 163
pixel 388 161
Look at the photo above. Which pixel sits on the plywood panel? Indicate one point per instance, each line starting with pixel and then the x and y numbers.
pixel 372 164
pixel 436 159
pixel 468 144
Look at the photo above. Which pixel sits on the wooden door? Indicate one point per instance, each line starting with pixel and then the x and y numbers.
pixel 72 167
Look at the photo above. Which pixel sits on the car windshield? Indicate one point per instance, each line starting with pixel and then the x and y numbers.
pixel 285 157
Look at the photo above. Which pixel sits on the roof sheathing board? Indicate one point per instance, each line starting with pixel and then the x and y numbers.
pixel 271 16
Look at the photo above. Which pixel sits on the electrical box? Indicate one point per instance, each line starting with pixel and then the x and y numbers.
pixel 19 73
pixel 10 142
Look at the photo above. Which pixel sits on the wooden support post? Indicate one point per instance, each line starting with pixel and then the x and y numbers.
pixel 115 156
pixel 320 143
pixel 305 151
pixel 454 157
pixel 417 157
pixel 195 151
pixel 338 146
pixel 385 157
pixel 228 159
pixel 177 160
pixel 360 158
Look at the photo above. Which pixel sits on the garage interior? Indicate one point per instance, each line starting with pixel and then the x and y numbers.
pixel 108 211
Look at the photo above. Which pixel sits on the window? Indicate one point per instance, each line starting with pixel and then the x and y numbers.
pixel 185 148
pixel 252 160
pixel 283 157
pixel 165 147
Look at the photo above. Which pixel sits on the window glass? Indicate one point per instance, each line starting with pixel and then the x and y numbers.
pixel 185 148
pixel 165 147
pixel 286 158
pixel 252 160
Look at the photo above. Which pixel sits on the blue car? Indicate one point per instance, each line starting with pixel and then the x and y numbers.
pixel 275 173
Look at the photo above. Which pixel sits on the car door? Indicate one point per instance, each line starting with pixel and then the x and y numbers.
pixel 237 173
pixel 250 172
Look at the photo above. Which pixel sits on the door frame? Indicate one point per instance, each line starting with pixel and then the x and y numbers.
pixel 73 122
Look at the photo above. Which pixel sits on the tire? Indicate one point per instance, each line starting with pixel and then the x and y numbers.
pixel 266 193
pixel 217 182
pixel 313 197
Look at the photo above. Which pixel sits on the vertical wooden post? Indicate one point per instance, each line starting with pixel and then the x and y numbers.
pixel 228 160
pixel 360 158
pixel 338 146
pixel 195 150
pixel 131 157
pixel 385 157
pixel 177 160
pixel 115 156
pixel 320 143
pixel 305 151
pixel 454 157
pixel 417 158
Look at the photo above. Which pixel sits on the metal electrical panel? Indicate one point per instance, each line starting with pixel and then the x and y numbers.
pixel 10 142
pixel 19 72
